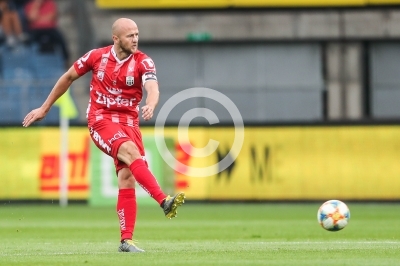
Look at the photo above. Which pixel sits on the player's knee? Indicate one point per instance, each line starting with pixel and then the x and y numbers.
pixel 128 152
pixel 125 179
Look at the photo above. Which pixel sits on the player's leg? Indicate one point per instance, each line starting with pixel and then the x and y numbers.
pixel 130 155
pixel 117 141
pixel 126 203
pixel 101 133
pixel 125 144
pixel 126 210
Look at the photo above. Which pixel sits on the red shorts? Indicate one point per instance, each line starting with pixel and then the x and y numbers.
pixel 109 136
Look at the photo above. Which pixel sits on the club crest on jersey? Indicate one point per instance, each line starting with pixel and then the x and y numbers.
pixel 100 75
pixel 130 80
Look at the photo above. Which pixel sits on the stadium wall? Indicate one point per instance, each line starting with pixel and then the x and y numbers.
pixel 344 39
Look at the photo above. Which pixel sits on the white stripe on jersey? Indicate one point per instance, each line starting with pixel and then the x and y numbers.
pixel 129 120
pixel 115 118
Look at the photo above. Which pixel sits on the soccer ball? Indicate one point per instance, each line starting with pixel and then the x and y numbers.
pixel 333 215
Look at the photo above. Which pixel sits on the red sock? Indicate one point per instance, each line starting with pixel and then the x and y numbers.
pixel 126 210
pixel 147 180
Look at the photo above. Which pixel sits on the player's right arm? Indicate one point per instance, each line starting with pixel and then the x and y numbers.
pixel 62 85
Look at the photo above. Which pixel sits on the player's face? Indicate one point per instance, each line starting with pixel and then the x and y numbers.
pixel 128 42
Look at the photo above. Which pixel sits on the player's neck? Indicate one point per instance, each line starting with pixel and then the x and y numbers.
pixel 121 55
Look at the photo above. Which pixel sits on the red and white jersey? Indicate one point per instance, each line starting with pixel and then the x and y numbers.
pixel 116 85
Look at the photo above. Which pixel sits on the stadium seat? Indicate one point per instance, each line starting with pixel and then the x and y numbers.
pixel 16 63
pixel 47 65
pixel 10 103
pixel 37 95
pixel 18 74
pixel 18 57
pixel 27 77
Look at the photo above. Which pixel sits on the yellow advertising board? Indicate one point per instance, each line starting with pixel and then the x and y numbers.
pixel 274 163
pixel 295 163
pixel 177 4
pixel 307 163
pixel 194 187
pixel 383 2
pixel 29 163
pixel 78 163
pixel 163 4
pixel 19 163
pixel 311 3
pixel 296 3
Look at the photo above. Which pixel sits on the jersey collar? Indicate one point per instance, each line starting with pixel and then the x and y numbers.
pixel 116 58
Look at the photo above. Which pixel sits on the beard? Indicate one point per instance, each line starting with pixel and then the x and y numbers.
pixel 126 49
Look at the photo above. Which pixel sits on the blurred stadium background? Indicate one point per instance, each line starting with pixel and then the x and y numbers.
pixel 316 81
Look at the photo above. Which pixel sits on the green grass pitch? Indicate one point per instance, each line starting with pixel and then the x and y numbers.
pixel 202 234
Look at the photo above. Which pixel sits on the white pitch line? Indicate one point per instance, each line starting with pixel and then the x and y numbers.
pixel 319 242
pixel 222 243
pixel 55 253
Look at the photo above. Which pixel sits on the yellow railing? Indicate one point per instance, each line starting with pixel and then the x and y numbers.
pixel 178 4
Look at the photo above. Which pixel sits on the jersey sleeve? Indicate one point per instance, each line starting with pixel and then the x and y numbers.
pixel 85 63
pixel 147 70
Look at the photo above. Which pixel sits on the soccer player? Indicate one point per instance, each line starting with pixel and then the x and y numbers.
pixel 119 72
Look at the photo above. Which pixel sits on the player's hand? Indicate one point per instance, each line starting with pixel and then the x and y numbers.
pixel 147 112
pixel 35 115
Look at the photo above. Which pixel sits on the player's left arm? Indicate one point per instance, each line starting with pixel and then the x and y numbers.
pixel 153 94
pixel 61 86
pixel 150 84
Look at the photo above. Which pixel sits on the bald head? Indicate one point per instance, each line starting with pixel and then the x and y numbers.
pixel 125 34
pixel 122 25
